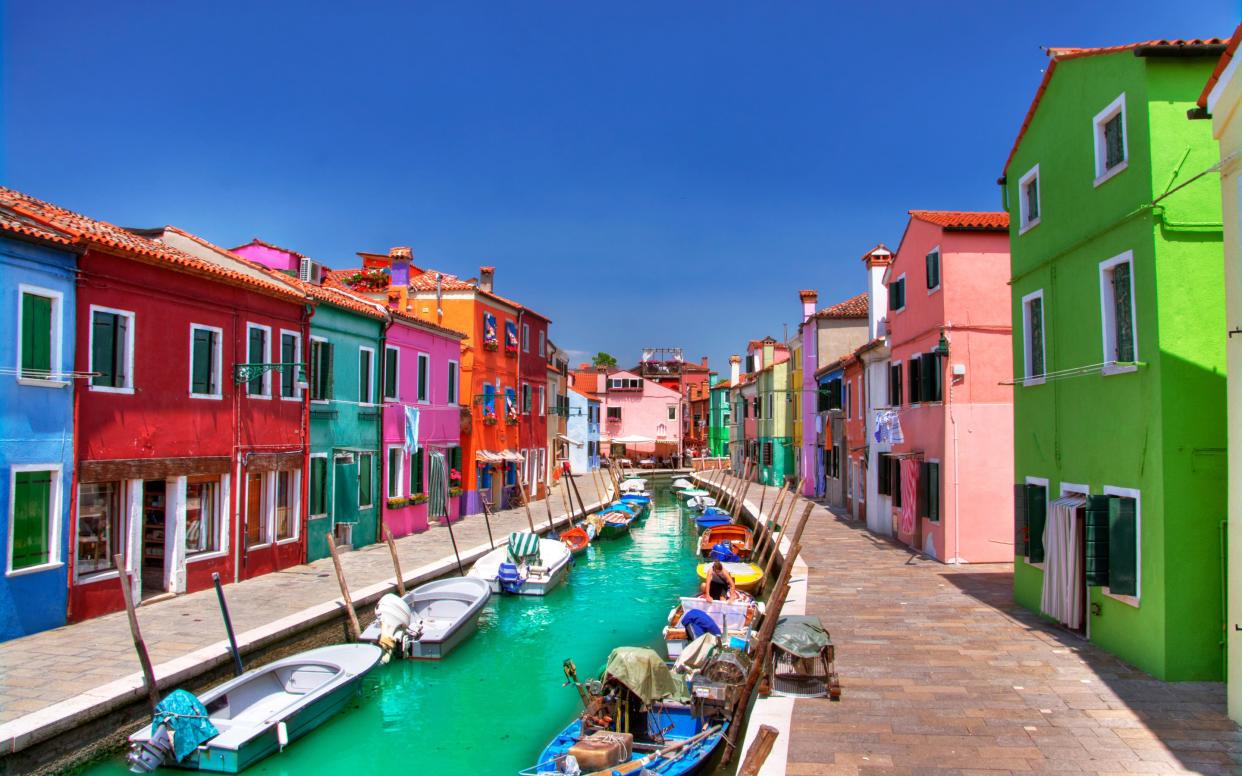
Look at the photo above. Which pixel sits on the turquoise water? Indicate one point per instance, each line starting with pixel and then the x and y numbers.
pixel 493 704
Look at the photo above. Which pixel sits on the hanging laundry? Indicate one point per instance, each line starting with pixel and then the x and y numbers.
pixel 909 494
pixel 411 429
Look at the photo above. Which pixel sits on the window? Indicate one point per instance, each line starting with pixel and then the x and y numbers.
pixel 396 470
pixel 272 500
pixel 1028 200
pixel 202 514
pixel 1117 311
pixel 366 365
pixel 259 351
pixel 672 412
pixel 205 361
pixel 614 413
pixel 489 400
pixel 894 472
pixel 543 342
pixel 849 400
pixel 932 261
pixel 767 453
pixel 543 401
pixel 894 385
pixel 39 336
pixel 319 484
pixel 257 494
pixel 1033 338
pixel 1030 509
pixel 926 377
pixel 424 374
pixel 1110 140
pixel 285 511
pixel 366 468
pixel 913 369
pixel 897 294
pixel 112 350
pixel 1123 574
pixel 321 369
pixel 34 527
pixel 392 371
pixel 417 464
pixel 99 527
pixel 290 354
pixel 525 337
pixel 929 490
pixel 452 382
pixel 527 398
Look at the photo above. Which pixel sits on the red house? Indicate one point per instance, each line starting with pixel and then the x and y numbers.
pixel 187 463
pixel 533 397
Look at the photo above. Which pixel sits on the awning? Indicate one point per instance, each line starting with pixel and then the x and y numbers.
pixel 510 455
pixel 567 440
pixel 487 456
pixel 632 439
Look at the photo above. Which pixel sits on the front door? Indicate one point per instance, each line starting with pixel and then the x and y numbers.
pixel 344 499
pixel 154 529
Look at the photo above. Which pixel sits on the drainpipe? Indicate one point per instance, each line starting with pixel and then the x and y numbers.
pixel 957 501
pixel 240 551
pixel 381 498
pixel 308 311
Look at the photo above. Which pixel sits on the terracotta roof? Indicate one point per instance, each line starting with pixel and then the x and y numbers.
pixel 91 233
pixel 1057 54
pixel 964 221
pixel 335 279
pixel 878 247
pixel 16 223
pixel 854 307
pixel 1220 67
pixel 427 282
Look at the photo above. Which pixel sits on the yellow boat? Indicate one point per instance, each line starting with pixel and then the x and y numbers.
pixel 747 576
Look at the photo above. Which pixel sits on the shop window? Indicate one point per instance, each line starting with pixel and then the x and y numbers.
pixel 99 536
pixel 202 514
pixel 39 336
pixel 205 361
pixel 290 354
pixel 366 470
pixel 258 351
pixel 392 372
pixel 112 349
pixel 35 499
pixel 321 370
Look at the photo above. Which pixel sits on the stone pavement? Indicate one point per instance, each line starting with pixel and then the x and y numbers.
pixel 47 668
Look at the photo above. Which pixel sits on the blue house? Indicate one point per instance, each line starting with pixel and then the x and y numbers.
pixel 830 445
pixel 37 276
pixel 593 410
pixel 576 427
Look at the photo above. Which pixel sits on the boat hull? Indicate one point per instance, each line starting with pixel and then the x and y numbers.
pixel 746 576
pixel 438 638
pixel 692 762
pixel 551 575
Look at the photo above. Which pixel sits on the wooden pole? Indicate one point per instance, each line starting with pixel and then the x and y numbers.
pixel 228 624
pixel 396 562
pixel 759 750
pixel 354 630
pixel 574 485
pixel 526 504
pixel 487 521
pixel 763 527
pixel 148 673
pixel 740 503
pixel 767 568
pixel 547 505
pixel 569 502
pixel 762 498
pixel 780 523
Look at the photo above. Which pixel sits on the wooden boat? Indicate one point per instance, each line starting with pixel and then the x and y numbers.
pixel 633 485
pixel 437 617
pixel 576 539
pixel 616 522
pixel 255 714
pixel 738 536
pixel 746 576
pixel 735 620
pixel 528 565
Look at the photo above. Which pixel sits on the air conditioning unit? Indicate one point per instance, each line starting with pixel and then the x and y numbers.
pixel 309 271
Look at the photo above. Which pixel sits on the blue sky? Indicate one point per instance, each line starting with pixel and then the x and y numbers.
pixel 646 174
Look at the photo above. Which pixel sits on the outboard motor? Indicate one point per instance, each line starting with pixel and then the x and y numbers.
pixel 152 753
pixel 394 619
pixel 510 578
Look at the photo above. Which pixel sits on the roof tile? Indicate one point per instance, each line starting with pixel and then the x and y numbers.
pixel 854 307
pixel 962 220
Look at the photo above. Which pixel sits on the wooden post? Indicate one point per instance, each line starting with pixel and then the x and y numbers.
pixel 487 521
pixel 547 505
pixel 740 503
pixel 767 568
pixel 569 502
pixel 759 750
pixel 763 528
pixel 354 630
pixel 526 503
pixel 148 673
pixel 396 562
pixel 783 523
pixel 763 496
pixel 573 484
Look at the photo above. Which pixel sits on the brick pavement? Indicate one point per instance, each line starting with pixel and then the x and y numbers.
pixel 46 668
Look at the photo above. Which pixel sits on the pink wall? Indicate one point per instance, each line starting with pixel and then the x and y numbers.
pixel 283 261
pixel 642 412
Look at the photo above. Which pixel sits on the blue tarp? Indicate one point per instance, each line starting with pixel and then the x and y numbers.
pixel 697 623
pixel 186 718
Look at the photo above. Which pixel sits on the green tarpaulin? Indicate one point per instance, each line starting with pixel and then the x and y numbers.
pixel 646 675
pixel 801 635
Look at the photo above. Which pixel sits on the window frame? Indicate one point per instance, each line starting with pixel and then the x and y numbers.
pixel 543 401
pixel 297 358
pixel 1100 143
pixel 323 341
pixel 1043 483
pixel 609 414
pixel 396 375
pixel 422 378
pixel 388 470
pixel 1108 314
pixel 939 269
pixel 55 509
pixel 1025 222
pixel 310 484
pixel 295 506
pixel 543 343
pixel 223 507
pixel 453 381
pixel 217 362
pixel 1029 378
pixel 124 505
pixel 1132 493
pixel 130 339
pixel 360 455
pixel 527 398
pixel 525 337
pixel 266 379
pixel 57 336
pixel 369 399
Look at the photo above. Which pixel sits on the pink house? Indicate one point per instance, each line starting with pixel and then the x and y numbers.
pixel 633 406
pixel 950 475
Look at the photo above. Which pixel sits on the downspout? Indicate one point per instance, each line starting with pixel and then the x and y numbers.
pixel 237 454
pixel 957 501
pixel 381 498
pixel 308 312
pixel 70 540
pixel 522 421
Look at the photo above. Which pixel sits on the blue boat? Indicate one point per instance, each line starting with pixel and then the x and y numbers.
pixel 712 518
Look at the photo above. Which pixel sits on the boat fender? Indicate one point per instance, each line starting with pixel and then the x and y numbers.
pixel 282 735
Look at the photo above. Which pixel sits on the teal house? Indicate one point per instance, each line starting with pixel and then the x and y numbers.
pixel 1119 331
pixel 718 418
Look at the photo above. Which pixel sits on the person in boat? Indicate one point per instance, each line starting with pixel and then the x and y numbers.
pixel 719 585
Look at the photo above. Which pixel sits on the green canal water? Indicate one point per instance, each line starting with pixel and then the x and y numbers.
pixel 492 705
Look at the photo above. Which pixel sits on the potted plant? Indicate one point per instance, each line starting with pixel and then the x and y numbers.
pixel 398 502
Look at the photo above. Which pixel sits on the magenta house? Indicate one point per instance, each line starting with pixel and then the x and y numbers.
pixel 421 379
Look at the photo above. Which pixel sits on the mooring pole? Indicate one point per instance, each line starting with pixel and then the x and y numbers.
pixel 526 503
pixel 228 624
pixel 148 673
pixel 351 616
pixel 487 521
pixel 396 562
pixel 758 752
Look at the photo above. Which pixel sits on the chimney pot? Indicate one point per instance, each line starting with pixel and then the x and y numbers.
pixel 703 361
pixel 399 259
pixel 487 278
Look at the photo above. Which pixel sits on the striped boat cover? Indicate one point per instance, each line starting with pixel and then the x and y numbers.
pixel 437 485
pixel 523 544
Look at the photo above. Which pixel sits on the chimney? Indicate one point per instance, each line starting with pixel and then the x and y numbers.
pixel 400 259
pixel 703 362
pixel 877 261
pixel 735 367
pixel 583 366
pixel 809 298
pixel 769 351
pixel 487 276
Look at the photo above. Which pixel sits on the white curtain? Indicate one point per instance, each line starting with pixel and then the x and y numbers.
pixel 1063 572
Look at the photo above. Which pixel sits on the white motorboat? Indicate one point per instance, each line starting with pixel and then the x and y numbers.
pixel 528 565
pixel 430 620
pixel 681 483
pixel 733 619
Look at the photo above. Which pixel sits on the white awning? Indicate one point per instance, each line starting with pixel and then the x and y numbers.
pixel 567 440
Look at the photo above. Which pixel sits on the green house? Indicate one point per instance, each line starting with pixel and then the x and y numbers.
pixel 1119 354
pixel 718 419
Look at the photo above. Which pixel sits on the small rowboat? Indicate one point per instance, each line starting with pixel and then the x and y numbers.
pixel 746 576
pixel 576 539
pixel 681 483
pixel 700 502
pixel 734 619
pixel 738 536
pixel 616 523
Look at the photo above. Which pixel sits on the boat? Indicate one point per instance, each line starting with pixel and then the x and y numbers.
pixel 527 565
pixel 681 483
pixel 700 502
pixel 576 539
pixel 236 724
pixel 429 621
pixel 712 517
pixel 747 577
pixel 616 522
pixel 733 620
pixel 738 538
pixel 636 484
pixel 640 717
pixel 636 498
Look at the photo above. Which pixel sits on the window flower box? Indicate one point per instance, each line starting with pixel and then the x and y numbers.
pixel 420 498
pixel 492 345
pixel 455 492
pixel 398 502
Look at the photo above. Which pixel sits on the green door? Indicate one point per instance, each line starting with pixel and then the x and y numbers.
pixel 345 492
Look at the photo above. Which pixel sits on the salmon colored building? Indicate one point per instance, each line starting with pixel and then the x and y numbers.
pixel 949 479
pixel 855 437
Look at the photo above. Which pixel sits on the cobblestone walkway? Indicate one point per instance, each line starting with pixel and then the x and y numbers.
pixel 45 668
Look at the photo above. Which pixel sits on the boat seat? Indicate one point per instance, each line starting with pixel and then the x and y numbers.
pixel 304 679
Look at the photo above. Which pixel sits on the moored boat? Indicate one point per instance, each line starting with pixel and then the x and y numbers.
pixel 528 565
pixel 616 523
pixel 732 620
pixel 746 576
pixel 436 618
pixel 576 539
pixel 713 517
pixel 681 483
pixel 738 539
pixel 247 718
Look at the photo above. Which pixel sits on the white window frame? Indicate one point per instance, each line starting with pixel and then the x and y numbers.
pixel 368 400
pixel 526 396
pixel 1131 600
pixel 57 320
pixel 1107 306
pixel 401 486
pixel 55 508
pixel 266 516
pixel 129 348
pixel 1117 106
pixel 453 376
pixel 358 456
pixel 297 357
pixel 1025 222
pixel 525 337
pixel 423 387
pixel 543 401
pixel 384 372
pixel 222 536
pixel 327 482
pixel 295 506
pixel 217 363
pixel 1047 503
pixel 543 343
pixel 939 270
pixel 1028 378
pixel 267 359
pixel 324 341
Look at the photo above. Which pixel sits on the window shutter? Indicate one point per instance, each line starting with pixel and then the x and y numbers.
pixel 390 373
pixel 1122 546
pixel 288 373
pixel 936 370
pixel 933 269
pixel 933 492
pixel 365 467
pixel 924 494
pixel 328 385
pixel 894 468
pixel 1036 517
pixel 36 334
pixel 422 379
pixel 901 292
pixel 319 468
pixel 201 368
pixel 1122 311
pixel 1114 143
pixel 1037 337
pixel 416 473
pixel 1021 528
pixel 1097 540
pixel 915 379
pixel 103 350
pixel 31 519
pixel 255 356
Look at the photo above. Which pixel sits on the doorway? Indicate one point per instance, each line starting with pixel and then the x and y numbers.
pixel 1065 561
pixel 154 528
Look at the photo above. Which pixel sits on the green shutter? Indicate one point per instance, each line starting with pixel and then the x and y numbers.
pixel 935 365
pixel 255 356
pixel 894 468
pixel 390 373
pixel 915 380
pixel 36 335
pixel 287 356
pixel 1036 517
pixel 1037 336
pixel 933 269
pixel 365 468
pixel 318 485
pixel 1122 312
pixel 1097 540
pixel 1021 528
pixel 329 384
pixel 933 492
pixel 1114 141
pixel 103 350
pixel 922 501
pixel 416 473
pixel 422 379
pixel 1122 546
pixel 201 364
pixel 32 498
pixel 364 376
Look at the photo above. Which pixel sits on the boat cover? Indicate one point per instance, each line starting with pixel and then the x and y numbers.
pixel 187 720
pixel 801 635
pixel 523 544
pixel 645 674
pixel 698 622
